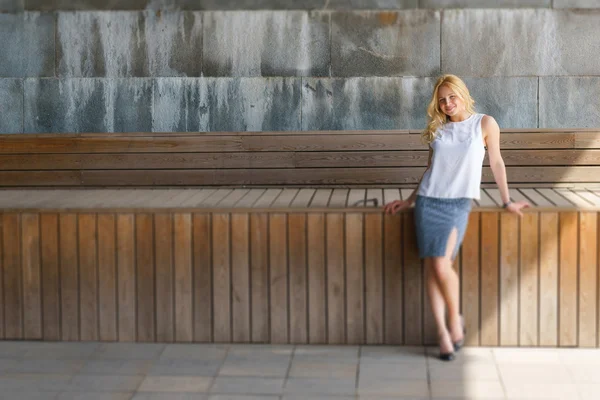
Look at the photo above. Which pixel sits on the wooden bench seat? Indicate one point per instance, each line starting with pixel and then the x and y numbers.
pixel 273 199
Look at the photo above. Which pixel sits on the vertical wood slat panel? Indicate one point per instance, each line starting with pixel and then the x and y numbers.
pixel 548 279
pixel 85 245
pixel 107 277
pixel 568 279
pixel 393 282
pixel 374 279
pixel 528 280
pixel 88 277
pixel 317 291
pixel 470 280
pixel 278 278
pixel 50 277
pixel 13 294
pixel 126 276
pixel 413 284
pixel 69 277
pixel 163 260
pixel 259 250
pixel 588 279
pixel 355 302
pixel 2 267
pixel 490 307
pixel 297 246
pixel 336 315
pixel 509 279
pixel 203 278
pixel 221 278
pixel 146 296
pixel 240 278
pixel 184 331
pixel 31 275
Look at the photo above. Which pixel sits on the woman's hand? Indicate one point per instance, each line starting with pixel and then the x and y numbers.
pixel 517 206
pixel 395 206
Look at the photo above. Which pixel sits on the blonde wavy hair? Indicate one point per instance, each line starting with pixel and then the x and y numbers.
pixel 436 117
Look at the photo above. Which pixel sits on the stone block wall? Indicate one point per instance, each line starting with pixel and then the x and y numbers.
pixel 265 65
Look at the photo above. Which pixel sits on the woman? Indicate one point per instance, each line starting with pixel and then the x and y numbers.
pixel 457 137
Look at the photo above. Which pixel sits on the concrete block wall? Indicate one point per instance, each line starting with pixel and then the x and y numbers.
pixel 155 65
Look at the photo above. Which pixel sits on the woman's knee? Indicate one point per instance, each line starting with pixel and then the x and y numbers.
pixel 439 267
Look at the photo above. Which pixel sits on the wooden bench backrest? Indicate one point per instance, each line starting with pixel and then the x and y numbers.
pixel 324 158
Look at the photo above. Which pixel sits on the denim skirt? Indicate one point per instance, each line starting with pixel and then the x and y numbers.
pixel 434 220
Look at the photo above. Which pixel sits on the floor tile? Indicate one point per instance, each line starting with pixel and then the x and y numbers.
pixel 323 370
pixel 116 367
pixel 94 396
pixel 127 351
pixel 206 352
pixel 104 383
pixel 166 367
pixel 589 391
pixel 464 372
pixel 169 396
pixel 470 389
pixel 239 385
pixel 532 373
pixel 392 387
pixel 526 356
pixel 392 354
pixel 315 386
pixel 175 384
pixel 541 391
pixel 392 371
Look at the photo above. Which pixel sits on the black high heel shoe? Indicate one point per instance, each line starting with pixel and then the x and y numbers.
pixel 460 343
pixel 447 356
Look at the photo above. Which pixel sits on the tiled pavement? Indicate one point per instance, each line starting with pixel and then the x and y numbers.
pixel 118 371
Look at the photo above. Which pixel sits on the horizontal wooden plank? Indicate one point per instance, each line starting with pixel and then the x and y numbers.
pixel 57 161
pixel 40 178
pixel 311 176
pixel 224 143
pixel 304 176
pixel 227 142
pixel 288 159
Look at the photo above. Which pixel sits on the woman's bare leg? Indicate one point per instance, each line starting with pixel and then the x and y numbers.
pixel 449 286
pixel 438 306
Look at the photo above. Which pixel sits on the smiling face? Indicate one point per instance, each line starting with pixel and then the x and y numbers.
pixel 451 104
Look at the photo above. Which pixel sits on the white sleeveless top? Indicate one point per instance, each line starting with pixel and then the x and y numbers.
pixel 457 161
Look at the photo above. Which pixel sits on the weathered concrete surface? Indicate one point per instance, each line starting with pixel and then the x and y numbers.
pixel 26 45
pixel 385 43
pixel 576 3
pixel 485 3
pixel 521 42
pixel 266 43
pixel 371 4
pixel 569 102
pixel 129 44
pixel 12 6
pixel 88 105
pixel 227 104
pixel 253 4
pixel 365 103
pixel 11 106
pixel 511 101
pixel 49 5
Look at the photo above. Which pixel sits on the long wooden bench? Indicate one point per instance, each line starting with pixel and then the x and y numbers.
pixel 291 259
